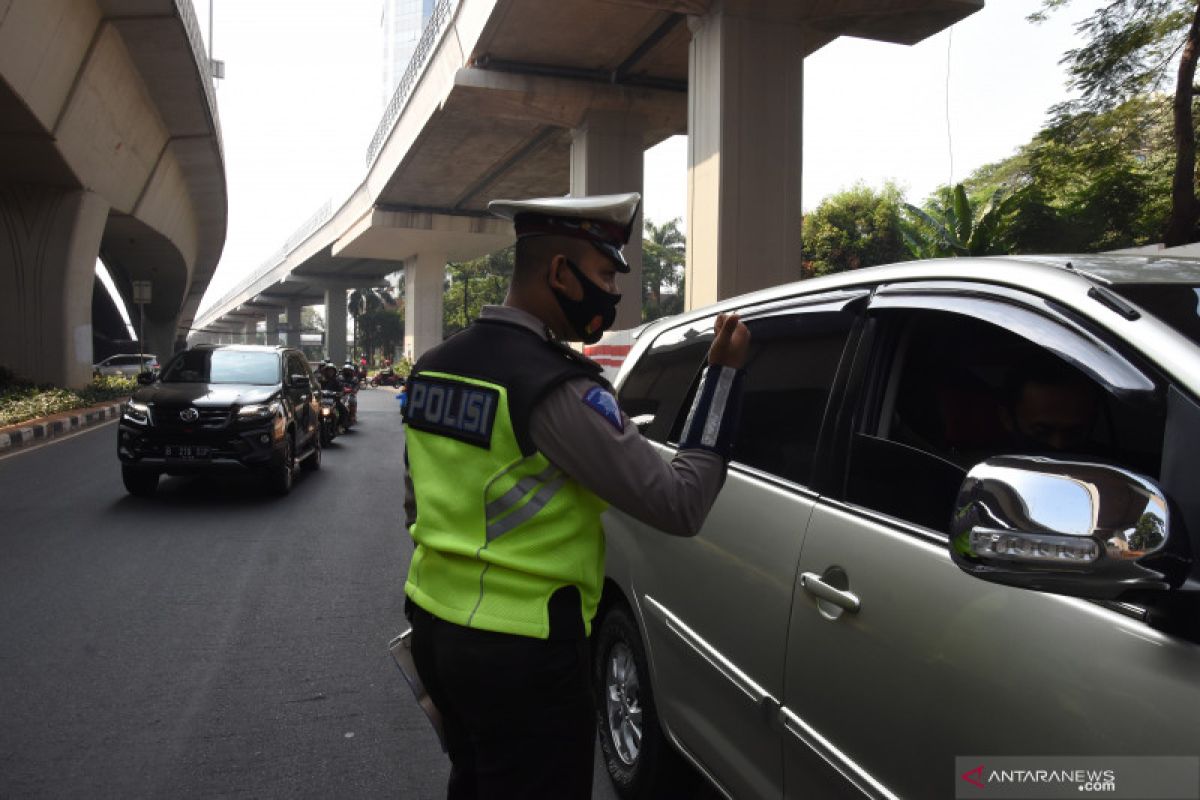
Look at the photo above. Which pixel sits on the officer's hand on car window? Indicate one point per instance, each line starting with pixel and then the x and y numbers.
pixel 732 342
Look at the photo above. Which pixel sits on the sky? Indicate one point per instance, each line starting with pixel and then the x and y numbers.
pixel 301 100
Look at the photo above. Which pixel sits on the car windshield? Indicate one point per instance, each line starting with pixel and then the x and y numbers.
pixel 1178 305
pixel 223 366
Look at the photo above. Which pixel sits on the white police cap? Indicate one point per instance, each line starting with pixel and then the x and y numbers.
pixel 604 220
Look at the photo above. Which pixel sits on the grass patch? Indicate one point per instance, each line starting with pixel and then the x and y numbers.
pixel 21 400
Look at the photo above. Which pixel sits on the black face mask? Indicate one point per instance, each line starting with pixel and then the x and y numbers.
pixel 592 315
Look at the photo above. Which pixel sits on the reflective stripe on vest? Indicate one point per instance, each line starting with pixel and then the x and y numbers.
pixel 497 531
pixel 517 505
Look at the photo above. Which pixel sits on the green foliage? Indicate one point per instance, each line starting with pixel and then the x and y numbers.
pixel 403 366
pixel 954 224
pixel 1088 182
pixel 858 227
pixel 21 400
pixel 380 330
pixel 378 320
pixel 1129 50
pixel 663 252
pixel 369 301
pixel 310 320
pixel 1132 50
pixel 471 285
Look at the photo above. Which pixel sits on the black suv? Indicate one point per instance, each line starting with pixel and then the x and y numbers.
pixel 216 407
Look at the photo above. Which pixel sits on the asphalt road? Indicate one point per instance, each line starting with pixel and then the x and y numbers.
pixel 211 641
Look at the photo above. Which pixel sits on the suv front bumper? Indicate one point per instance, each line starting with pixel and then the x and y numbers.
pixel 240 447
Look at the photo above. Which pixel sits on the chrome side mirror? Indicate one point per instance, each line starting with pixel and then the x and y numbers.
pixel 1074 528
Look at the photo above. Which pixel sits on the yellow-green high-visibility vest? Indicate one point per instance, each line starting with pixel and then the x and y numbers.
pixel 499 529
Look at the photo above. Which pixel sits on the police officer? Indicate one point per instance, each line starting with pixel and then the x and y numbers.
pixel 515 445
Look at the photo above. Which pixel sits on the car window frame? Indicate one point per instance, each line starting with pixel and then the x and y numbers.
pixel 916 297
pixel 852 300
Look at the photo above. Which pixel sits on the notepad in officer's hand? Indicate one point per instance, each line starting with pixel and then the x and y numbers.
pixel 401 650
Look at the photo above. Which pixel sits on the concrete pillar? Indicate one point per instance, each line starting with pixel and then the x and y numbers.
pixel 424 288
pixel 163 338
pixel 607 157
pixel 745 88
pixel 272 329
pixel 249 329
pixel 49 242
pixel 292 335
pixel 335 325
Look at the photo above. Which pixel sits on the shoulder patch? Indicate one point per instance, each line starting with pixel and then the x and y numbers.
pixel 603 403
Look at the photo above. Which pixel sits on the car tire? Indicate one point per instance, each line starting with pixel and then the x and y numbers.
pixel 282 471
pixel 313 462
pixel 640 761
pixel 139 482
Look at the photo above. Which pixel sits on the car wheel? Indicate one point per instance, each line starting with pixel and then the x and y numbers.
pixel 640 761
pixel 313 462
pixel 140 482
pixel 283 469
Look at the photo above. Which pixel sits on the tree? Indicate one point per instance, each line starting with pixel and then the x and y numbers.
pixel 364 302
pixel 311 321
pixel 1087 182
pixel 470 285
pixel 1130 47
pixel 663 252
pixel 952 224
pixel 858 227
pixel 380 330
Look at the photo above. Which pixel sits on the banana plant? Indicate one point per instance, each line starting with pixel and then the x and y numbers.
pixel 953 226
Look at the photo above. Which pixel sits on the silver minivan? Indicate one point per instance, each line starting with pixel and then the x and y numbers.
pixel 961 522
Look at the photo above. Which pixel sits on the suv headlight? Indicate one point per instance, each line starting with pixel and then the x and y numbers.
pixel 138 413
pixel 259 411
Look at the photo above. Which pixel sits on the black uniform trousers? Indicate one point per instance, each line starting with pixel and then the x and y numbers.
pixel 517 711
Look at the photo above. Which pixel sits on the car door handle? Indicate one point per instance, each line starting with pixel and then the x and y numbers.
pixel 812 583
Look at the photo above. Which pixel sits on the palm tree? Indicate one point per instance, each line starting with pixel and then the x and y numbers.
pixel 663 251
pixel 367 301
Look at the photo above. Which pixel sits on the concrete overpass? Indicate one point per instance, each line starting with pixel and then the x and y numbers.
pixel 520 98
pixel 109 144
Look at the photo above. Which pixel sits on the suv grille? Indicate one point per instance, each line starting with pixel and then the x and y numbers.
pixel 210 419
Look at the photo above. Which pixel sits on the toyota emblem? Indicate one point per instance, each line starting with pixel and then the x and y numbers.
pixel 189 415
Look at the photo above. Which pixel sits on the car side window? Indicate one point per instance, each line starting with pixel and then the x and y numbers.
pixel 295 366
pixel 657 384
pixel 793 362
pixel 946 391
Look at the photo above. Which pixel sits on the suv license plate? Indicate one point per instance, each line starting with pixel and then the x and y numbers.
pixel 187 452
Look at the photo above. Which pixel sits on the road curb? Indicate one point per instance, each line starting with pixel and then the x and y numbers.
pixel 35 431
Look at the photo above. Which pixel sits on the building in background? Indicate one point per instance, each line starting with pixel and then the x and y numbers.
pixel 402 22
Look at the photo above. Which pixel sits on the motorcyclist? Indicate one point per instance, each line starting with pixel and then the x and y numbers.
pixel 329 378
pixel 331 381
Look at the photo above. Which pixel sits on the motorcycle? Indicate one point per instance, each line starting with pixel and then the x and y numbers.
pixel 386 377
pixel 330 416
pixel 350 400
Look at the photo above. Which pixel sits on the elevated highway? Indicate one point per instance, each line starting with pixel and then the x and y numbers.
pixel 109 144
pixel 520 98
